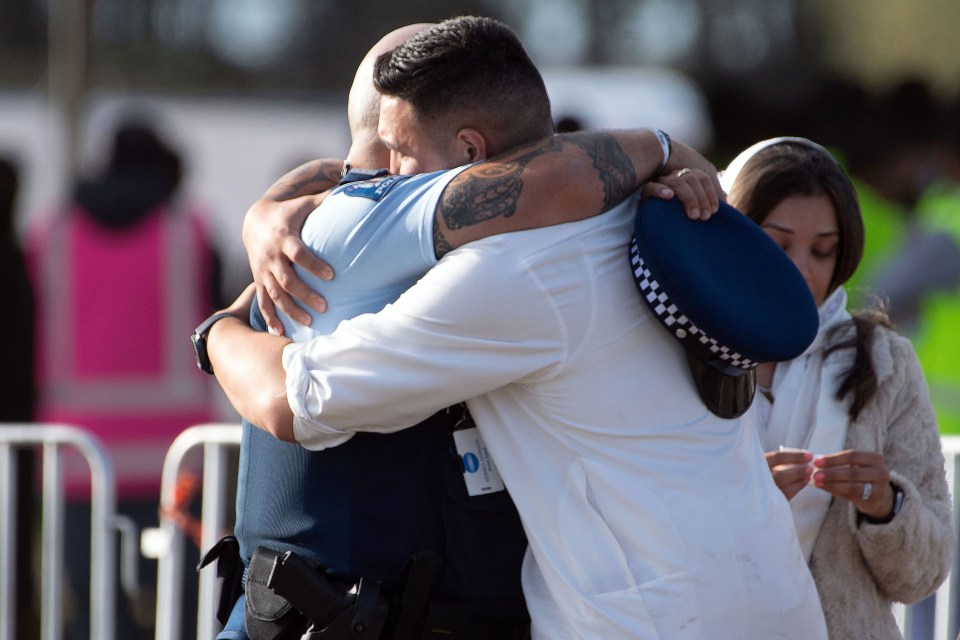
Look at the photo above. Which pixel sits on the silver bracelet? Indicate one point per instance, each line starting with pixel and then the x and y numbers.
pixel 665 146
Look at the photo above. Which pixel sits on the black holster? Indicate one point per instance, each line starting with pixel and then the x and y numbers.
pixel 268 615
pixel 289 598
pixel 229 585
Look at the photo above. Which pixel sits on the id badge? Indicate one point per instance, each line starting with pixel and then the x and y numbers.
pixel 479 472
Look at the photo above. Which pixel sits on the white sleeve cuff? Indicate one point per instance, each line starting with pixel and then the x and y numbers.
pixel 310 433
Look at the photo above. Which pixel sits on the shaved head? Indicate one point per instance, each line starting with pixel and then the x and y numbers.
pixel 363 104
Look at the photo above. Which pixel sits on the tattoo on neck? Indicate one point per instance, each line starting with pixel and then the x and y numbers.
pixel 613 165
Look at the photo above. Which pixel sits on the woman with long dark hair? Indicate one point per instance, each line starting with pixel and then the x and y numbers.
pixel 851 436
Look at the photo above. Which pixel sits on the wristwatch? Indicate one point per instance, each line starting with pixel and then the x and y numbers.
pixel 898 495
pixel 199 339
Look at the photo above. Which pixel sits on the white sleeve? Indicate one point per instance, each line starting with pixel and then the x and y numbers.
pixel 477 321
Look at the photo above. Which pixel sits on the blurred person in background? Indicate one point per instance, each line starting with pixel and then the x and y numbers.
pixel 18 384
pixel 919 285
pixel 122 273
pixel 885 155
pixel 851 417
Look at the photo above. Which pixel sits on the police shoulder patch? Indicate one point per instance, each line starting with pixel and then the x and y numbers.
pixel 373 189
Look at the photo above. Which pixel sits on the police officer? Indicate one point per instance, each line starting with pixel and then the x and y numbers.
pixel 365 509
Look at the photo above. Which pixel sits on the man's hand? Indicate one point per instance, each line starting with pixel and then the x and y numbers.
pixel 693 187
pixel 271 236
pixel 701 193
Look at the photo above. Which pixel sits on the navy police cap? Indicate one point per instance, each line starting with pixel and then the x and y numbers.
pixel 727 292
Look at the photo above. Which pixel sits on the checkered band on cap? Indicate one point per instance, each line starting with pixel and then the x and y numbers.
pixel 671 317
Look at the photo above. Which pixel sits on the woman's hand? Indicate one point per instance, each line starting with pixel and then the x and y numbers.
pixel 791 469
pixel 858 476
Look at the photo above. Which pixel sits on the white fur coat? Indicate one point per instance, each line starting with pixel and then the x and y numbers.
pixel 859 570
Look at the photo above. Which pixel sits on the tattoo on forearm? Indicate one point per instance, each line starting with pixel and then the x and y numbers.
pixel 613 165
pixel 489 192
pixel 307 179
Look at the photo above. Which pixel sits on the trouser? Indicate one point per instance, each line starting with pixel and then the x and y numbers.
pixel 234 628
pixel 480 629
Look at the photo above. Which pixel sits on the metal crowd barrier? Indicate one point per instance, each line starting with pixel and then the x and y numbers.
pixel 948 595
pixel 52 439
pixel 216 441
pixel 944 609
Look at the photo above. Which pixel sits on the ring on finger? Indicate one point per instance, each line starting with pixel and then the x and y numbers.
pixel 683 172
pixel 867 491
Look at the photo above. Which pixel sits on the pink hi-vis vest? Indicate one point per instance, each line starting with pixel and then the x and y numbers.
pixel 114 316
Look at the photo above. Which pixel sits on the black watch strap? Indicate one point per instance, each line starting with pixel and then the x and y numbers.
pixel 898 495
pixel 199 339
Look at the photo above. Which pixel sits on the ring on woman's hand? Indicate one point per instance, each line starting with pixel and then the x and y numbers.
pixel 683 172
pixel 867 491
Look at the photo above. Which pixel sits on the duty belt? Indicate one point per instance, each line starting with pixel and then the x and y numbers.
pixel 339 609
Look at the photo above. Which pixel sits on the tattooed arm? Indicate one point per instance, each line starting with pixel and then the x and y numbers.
pixel 271 236
pixel 569 177
pixel 557 179
pixel 549 181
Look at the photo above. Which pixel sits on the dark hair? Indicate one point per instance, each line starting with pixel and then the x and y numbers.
pixel 137 147
pixel 793 168
pixel 142 172
pixel 790 169
pixel 469 71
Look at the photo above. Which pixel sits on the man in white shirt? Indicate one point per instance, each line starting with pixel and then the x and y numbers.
pixel 648 517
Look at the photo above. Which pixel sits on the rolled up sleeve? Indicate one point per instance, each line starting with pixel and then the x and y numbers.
pixel 304 402
pixel 455 335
